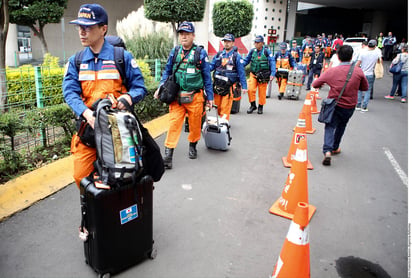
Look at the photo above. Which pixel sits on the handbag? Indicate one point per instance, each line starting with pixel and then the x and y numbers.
pixel 328 105
pixel 169 90
pixel 378 70
pixel 397 68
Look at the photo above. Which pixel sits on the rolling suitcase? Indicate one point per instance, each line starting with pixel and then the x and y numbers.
pixel 294 84
pixel 216 133
pixel 117 225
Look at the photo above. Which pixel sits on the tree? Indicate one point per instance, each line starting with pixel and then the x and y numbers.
pixel 174 11
pixel 4 28
pixel 36 14
pixel 232 16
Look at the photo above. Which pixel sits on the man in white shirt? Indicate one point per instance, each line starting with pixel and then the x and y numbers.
pixel 367 60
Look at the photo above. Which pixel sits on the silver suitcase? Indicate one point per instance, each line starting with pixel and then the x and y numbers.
pixel 294 84
pixel 216 133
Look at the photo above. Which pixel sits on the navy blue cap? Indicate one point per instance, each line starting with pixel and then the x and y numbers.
pixel 186 26
pixel 259 39
pixel 91 14
pixel 283 46
pixel 229 37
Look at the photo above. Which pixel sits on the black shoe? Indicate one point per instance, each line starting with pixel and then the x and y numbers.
pixel 168 159
pixel 260 109
pixel 251 108
pixel 192 150
pixel 327 159
pixel 280 96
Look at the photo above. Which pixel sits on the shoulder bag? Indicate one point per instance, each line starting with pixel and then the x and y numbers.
pixel 397 68
pixel 328 105
pixel 169 90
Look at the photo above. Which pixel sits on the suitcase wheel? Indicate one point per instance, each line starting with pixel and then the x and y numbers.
pixel 152 254
pixel 105 275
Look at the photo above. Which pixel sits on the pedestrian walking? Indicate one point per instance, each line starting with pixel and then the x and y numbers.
pixel 263 69
pixel 401 77
pixel 367 60
pixel 94 78
pixel 315 65
pixel 228 70
pixel 346 105
pixel 388 44
pixel 284 63
pixel 192 72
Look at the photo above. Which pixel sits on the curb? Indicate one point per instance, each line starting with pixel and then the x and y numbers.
pixel 24 191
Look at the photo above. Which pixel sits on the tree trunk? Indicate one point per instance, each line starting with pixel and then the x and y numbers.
pixel 4 28
pixel 40 34
pixel 175 34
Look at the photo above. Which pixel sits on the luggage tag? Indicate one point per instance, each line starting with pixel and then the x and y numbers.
pixel 190 70
pixel 83 235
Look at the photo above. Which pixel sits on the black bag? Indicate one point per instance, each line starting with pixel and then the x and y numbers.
pixel 263 76
pixel 169 90
pixel 326 110
pixel 221 86
pixel 85 132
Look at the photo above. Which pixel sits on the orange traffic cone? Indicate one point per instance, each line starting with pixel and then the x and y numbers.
pixel 299 133
pixel 314 106
pixel 307 110
pixel 296 186
pixel 294 259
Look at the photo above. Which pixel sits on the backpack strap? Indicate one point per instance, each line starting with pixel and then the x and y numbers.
pixel 78 59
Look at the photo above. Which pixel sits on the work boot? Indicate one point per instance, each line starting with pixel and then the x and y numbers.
pixel 260 109
pixel 192 150
pixel 167 159
pixel 252 107
pixel 280 96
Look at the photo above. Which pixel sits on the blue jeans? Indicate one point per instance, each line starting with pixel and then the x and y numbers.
pixel 310 77
pixel 334 131
pixel 363 101
pixel 401 78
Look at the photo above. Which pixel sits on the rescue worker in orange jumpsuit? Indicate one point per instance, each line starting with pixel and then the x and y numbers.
pixel 284 63
pixel 97 77
pixel 263 69
pixel 228 70
pixel 295 51
pixel 307 49
pixel 192 76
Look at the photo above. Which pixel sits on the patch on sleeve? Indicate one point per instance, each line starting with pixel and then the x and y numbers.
pixel 134 63
pixel 207 59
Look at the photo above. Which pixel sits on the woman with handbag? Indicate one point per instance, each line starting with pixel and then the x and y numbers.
pixel 400 75
pixel 344 81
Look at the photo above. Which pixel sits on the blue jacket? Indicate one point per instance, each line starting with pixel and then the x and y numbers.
pixel 204 68
pixel 240 70
pixel 96 79
pixel 272 63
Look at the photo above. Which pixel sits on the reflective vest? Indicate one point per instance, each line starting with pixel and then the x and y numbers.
pixel 227 66
pixel 188 76
pixel 259 62
pixel 282 61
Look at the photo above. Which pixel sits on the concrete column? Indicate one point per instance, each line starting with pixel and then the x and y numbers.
pixel 290 27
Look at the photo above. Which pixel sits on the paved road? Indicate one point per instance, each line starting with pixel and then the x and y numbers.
pixel 211 215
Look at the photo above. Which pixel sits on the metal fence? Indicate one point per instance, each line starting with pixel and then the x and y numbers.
pixel 30 87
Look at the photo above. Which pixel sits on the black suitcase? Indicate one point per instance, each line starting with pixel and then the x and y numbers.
pixel 237 96
pixel 119 224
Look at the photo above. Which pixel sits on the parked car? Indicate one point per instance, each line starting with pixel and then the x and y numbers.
pixel 355 42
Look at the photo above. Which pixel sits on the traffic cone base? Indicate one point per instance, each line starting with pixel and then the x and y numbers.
pixel 286 164
pixel 275 209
